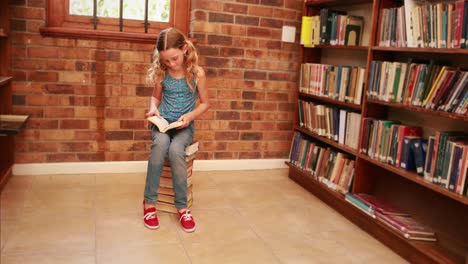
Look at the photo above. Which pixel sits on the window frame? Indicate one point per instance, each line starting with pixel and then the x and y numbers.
pixel 60 24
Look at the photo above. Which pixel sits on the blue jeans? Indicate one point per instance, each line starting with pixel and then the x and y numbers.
pixel 171 144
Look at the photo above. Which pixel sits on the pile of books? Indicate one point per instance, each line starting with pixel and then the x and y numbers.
pixel 398 221
pixel 166 191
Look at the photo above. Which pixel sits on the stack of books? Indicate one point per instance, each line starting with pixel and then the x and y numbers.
pixel 398 221
pixel 166 191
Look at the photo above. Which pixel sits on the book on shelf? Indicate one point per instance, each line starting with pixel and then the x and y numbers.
pixel 162 124
pixel 358 203
pixel 407 227
pixel 378 205
pixel 353 30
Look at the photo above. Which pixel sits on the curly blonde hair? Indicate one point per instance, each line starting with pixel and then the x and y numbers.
pixel 168 39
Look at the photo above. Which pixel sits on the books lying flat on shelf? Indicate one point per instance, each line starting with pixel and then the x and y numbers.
pixel 407 227
pixel 162 124
pixel 378 205
pixel 358 203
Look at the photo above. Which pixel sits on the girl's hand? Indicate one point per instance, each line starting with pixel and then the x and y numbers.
pixel 153 112
pixel 185 119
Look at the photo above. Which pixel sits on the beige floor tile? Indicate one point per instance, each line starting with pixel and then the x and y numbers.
pixel 74 181
pixel 50 234
pixel 246 176
pixel 69 198
pixel 6 228
pixel 231 252
pixel 120 179
pixel 12 204
pixel 212 198
pixel 18 183
pixel 302 249
pixel 56 258
pixel 216 225
pixel 149 254
pixel 114 232
pixel 120 200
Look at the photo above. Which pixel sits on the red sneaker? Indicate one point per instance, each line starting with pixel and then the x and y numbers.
pixel 186 221
pixel 150 218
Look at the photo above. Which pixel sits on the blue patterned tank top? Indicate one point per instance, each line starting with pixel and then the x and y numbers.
pixel 177 99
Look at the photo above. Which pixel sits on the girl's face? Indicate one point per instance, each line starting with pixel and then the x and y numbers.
pixel 173 58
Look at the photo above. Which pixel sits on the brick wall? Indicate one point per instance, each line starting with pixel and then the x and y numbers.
pixel 87 98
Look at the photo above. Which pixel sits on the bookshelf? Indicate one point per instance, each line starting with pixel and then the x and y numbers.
pixel 10 125
pixel 444 211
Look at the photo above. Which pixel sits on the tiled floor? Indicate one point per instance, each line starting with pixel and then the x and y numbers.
pixel 242 217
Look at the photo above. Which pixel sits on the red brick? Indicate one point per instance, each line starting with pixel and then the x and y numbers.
pixel 119 135
pixel 36 123
pixel 251 136
pixel 278 3
pixel 219 40
pixel 43 146
pixel 74 124
pixel 228 115
pixel 250 155
pixel 59 112
pixel 87 157
pixel 247 20
pixel 62 157
pixel 90 135
pixel 226 136
pixel 132 124
pixel 220 17
pixel 76 147
pixel 274 23
pixel 256 75
pixel 240 125
pixel 235 8
pixel 38 76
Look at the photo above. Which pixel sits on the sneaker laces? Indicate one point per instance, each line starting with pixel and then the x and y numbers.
pixel 150 215
pixel 186 216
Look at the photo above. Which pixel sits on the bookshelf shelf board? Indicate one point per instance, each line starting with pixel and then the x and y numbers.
pixel 330 142
pixel 360 48
pixel 4 80
pixel 331 101
pixel 12 124
pixel 420 110
pixel 423 50
pixel 417 179
pixel 416 252
pixel 331 3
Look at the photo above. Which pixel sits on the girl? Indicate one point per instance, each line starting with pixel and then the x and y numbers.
pixel 178 81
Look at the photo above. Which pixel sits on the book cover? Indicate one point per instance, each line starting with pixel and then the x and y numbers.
pixel 162 124
pixel 355 201
pixel 406 224
pixel 378 205
pixel 353 30
pixel 407 157
pixel 419 149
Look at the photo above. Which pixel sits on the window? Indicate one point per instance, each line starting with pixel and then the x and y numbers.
pixel 130 20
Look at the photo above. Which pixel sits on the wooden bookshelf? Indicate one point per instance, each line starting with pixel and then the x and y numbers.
pixel 10 125
pixel 421 110
pixel 331 102
pixel 336 145
pixel 444 211
pixel 413 251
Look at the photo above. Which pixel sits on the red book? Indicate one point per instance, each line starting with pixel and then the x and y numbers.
pixel 406 224
pixel 404 131
pixel 379 205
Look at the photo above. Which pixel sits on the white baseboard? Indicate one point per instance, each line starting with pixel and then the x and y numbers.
pixel 140 166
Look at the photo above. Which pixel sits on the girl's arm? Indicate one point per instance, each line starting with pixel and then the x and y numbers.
pixel 155 100
pixel 204 103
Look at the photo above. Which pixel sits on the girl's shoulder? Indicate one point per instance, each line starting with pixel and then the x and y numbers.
pixel 199 72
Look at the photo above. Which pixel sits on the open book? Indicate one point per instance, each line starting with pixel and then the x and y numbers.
pixel 162 123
